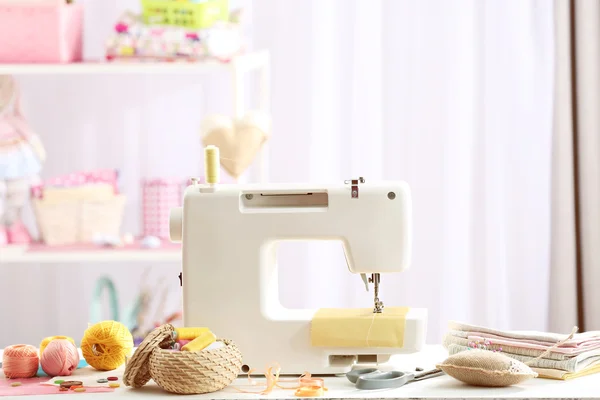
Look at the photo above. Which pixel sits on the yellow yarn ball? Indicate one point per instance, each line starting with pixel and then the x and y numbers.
pixel 47 340
pixel 106 345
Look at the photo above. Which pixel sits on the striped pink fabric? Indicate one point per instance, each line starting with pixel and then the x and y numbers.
pixel 159 196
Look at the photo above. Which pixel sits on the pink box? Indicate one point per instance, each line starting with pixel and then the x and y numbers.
pixel 159 196
pixel 41 33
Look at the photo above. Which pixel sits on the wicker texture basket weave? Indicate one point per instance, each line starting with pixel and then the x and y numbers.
pixel 137 371
pixel 182 372
pixel 74 222
pixel 195 372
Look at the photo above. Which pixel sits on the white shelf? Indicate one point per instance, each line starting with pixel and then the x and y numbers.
pixel 20 255
pixel 243 62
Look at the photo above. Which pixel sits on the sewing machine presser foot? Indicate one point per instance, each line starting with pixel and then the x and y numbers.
pixel 375 279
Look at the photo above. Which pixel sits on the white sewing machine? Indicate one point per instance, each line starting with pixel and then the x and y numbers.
pixel 229 273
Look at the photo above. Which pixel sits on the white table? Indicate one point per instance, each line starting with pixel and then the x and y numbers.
pixel 443 387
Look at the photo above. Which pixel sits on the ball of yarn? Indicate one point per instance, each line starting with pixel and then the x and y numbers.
pixel 51 338
pixel 106 345
pixel 20 361
pixel 60 358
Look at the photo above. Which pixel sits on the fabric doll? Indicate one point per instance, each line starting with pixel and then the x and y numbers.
pixel 21 158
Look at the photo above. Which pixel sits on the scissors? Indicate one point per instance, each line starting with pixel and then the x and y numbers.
pixel 372 378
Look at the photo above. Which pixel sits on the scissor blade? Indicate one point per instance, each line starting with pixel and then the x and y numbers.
pixel 429 374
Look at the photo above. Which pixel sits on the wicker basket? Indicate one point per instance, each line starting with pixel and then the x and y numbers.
pixel 74 221
pixel 182 372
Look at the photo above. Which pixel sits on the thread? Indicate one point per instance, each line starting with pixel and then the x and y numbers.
pixel 182 342
pixel 310 387
pixel 190 333
pixel 51 338
pixel 545 353
pixel 106 345
pixel 201 342
pixel 211 164
pixel 370 327
pixel 305 385
pixel 20 361
pixel 60 358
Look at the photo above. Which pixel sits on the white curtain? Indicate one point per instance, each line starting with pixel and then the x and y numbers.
pixel 455 97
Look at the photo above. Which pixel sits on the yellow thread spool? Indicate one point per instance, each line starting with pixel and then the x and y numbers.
pixel 201 342
pixel 212 161
pixel 47 340
pixel 190 333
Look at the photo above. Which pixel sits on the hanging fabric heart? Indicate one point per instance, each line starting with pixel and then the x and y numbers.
pixel 239 139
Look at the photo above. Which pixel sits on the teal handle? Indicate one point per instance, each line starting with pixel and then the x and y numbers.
pixel 96 303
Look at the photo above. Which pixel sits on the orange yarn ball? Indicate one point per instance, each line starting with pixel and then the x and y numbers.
pixel 20 361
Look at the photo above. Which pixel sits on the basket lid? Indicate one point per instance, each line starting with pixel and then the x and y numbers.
pixel 137 371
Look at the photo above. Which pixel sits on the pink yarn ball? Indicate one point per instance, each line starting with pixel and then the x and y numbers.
pixel 60 358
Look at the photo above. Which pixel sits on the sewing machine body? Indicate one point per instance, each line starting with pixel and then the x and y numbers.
pixel 229 274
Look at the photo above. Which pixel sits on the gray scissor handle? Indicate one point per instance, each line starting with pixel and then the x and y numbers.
pixel 384 380
pixel 355 374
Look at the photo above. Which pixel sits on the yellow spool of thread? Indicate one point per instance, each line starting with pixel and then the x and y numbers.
pixel 47 341
pixel 212 161
pixel 190 333
pixel 106 345
pixel 201 342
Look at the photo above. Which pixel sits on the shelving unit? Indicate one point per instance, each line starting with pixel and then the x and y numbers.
pixel 24 255
pixel 240 64
pixel 237 68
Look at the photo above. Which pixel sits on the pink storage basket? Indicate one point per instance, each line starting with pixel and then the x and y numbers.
pixel 41 33
pixel 159 197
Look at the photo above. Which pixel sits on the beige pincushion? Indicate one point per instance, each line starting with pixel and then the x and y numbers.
pixel 486 368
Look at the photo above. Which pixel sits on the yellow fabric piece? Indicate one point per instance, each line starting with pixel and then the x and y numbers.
pixel 564 375
pixel 359 327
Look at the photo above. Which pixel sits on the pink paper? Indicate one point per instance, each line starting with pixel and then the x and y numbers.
pixel 32 386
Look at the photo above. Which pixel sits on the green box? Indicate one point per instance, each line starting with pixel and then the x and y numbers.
pixel 185 14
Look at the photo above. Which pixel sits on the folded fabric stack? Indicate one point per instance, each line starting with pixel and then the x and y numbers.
pixel 136 41
pixel 578 356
